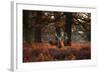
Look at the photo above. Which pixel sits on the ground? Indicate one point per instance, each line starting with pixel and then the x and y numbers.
pixel 37 52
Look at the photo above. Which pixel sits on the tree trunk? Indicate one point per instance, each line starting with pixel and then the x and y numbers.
pixel 68 27
pixel 26 29
pixel 37 35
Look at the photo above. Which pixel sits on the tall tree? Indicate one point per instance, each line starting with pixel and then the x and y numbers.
pixel 68 26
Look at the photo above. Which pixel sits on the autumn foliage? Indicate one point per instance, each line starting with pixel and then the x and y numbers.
pixel 37 52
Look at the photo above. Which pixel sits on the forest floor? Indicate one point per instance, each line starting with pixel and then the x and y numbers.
pixel 37 52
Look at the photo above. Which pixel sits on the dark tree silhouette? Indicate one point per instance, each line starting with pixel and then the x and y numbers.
pixel 68 26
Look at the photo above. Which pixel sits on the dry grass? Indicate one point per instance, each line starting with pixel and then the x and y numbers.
pixel 37 52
